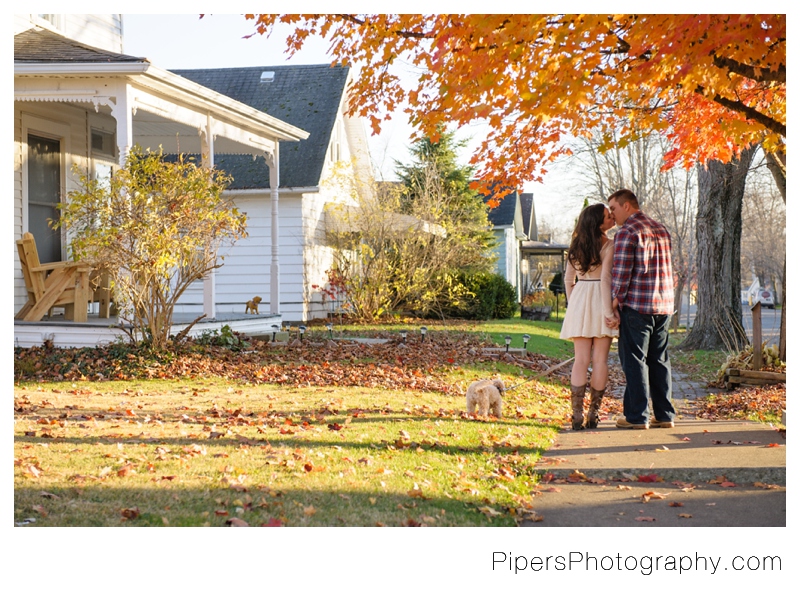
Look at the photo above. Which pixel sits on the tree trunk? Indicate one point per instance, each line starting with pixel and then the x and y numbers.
pixel 718 325
pixel 776 162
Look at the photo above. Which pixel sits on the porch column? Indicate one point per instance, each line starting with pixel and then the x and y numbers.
pixel 122 111
pixel 210 279
pixel 274 268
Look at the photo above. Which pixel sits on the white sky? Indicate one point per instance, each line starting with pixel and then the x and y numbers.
pixel 173 41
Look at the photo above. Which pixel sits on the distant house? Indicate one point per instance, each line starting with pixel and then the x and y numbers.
pixel 508 225
pixel 529 224
pixel 540 260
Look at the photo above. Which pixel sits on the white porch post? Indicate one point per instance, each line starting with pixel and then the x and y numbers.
pixel 122 111
pixel 210 279
pixel 274 268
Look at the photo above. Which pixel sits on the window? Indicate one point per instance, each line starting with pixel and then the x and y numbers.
pixel 103 154
pixel 53 20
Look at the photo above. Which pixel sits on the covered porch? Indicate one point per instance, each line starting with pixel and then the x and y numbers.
pixel 97 331
pixel 90 106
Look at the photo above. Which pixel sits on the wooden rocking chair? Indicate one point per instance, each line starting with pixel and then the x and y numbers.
pixel 50 285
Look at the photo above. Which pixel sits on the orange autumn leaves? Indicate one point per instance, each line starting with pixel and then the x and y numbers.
pixel 715 82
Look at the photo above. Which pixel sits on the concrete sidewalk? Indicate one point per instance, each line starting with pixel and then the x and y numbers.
pixel 698 474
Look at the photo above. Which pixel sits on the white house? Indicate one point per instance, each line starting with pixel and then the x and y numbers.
pixel 79 101
pixel 312 98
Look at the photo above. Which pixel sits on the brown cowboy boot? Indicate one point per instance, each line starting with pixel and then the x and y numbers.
pixel 594 406
pixel 577 406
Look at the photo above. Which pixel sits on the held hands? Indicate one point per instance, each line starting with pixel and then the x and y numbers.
pixel 613 321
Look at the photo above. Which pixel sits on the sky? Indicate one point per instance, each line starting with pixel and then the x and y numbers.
pixel 173 41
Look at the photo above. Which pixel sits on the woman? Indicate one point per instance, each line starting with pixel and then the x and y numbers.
pixel 588 285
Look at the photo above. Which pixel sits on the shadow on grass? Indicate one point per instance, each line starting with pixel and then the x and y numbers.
pixel 168 503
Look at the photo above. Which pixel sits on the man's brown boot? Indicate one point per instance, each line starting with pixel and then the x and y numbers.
pixel 577 406
pixel 594 407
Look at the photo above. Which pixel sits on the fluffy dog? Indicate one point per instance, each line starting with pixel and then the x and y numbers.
pixel 487 395
pixel 252 305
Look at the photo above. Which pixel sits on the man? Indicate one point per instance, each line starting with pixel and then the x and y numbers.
pixel 643 296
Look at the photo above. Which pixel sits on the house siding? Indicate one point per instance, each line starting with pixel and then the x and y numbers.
pixel 98 30
pixel 246 270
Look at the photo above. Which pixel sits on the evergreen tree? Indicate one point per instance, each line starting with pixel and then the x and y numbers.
pixel 436 188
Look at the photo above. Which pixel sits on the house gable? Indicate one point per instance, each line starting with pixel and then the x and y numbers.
pixel 308 97
pixel 531 228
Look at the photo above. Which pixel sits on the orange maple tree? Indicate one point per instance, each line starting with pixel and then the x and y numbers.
pixel 713 83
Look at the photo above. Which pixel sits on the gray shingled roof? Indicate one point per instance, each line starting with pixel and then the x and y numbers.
pixel 305 96
pixel 40 45
pixel 503 213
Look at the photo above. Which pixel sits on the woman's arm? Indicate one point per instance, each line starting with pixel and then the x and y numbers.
pixel 569 278
pixel 605 280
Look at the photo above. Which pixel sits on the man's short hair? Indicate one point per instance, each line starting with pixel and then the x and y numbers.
pixel 623 196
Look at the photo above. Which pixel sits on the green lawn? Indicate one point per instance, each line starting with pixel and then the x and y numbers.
pixel 306 435
pixel 311 433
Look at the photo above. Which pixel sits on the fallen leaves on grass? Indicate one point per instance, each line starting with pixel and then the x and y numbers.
pixel 392 365
pixel 744 402
pixel 489 511
pixel 129 514
pixel 416 492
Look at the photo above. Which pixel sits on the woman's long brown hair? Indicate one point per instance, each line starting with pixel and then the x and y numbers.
pixel 584 250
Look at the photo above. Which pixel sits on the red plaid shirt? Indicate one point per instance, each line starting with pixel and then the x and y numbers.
pixel 642 273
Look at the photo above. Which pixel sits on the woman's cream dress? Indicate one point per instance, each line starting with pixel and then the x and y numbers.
pixel 589 299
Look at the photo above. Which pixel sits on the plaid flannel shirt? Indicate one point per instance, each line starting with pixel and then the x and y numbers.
pixel 642 272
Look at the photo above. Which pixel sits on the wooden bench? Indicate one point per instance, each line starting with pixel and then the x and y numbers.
pixel 51 285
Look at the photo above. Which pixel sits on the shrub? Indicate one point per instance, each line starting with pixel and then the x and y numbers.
pixel 157 226
pixel 505 300
pixel 489 296
pixel 224 337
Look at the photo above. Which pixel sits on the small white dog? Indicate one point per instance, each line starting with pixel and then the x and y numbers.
pixel 487 395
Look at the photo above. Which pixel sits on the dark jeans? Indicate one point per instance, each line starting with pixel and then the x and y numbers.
pixel 643 340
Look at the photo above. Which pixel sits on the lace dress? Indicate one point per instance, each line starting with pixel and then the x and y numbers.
pixel 589 299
